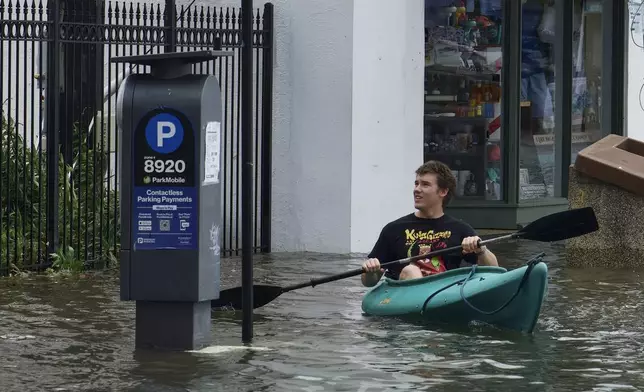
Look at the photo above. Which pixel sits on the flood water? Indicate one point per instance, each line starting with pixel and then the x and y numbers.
pixel 62 334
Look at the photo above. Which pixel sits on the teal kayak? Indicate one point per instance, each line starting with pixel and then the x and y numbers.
pixel 493 295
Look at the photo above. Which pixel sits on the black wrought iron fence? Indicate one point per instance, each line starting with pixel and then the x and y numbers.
pixel 58 150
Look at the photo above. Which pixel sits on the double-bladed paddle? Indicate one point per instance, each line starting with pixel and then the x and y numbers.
pixel 555 227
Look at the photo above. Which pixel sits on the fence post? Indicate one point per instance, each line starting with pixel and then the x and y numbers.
pixel 170 24
pixel 52 125
pixel 267 129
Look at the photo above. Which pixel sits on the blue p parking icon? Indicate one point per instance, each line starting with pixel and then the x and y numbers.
pixel 164 133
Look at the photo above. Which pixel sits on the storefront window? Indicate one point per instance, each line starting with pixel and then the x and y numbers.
pixel 587 75
pixel 537 134
pixel 537 164
pixel 463 59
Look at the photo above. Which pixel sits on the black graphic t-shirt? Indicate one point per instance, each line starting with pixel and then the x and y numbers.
pixel 410 236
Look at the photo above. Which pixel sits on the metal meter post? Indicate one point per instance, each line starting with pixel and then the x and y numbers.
pixel 170 191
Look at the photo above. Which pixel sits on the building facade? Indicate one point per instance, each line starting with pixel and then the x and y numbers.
pixel 347 119
pixel 364 91
pixel 504 92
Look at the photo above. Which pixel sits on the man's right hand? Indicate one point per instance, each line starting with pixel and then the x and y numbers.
pixel 372 265
pixel 372 272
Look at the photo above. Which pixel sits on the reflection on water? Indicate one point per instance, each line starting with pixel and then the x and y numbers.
pixel 75 334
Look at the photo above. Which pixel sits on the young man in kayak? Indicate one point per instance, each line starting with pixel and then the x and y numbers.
pixel 427 229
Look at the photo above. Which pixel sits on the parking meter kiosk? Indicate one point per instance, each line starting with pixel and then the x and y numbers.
pixel 170 191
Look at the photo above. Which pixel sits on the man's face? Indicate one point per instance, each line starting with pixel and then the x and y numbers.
pixel 427 194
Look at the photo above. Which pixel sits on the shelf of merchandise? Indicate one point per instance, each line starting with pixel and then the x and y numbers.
pixel 461 138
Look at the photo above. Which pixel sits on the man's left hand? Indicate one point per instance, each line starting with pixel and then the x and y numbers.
pixel 470 245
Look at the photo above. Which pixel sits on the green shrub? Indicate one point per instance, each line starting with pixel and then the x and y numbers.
pixel 87 210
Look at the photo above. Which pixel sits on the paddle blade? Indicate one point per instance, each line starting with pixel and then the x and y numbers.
pixel 561 225
pixel 232 299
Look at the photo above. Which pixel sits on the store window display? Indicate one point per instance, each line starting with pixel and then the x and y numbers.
pixel 537 141
pixel 463 59
pixel 587 82
pixel 537 138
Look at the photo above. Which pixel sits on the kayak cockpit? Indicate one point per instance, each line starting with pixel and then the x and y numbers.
pixel 447 275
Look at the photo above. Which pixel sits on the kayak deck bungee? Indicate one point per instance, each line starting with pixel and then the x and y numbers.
pixel 494 295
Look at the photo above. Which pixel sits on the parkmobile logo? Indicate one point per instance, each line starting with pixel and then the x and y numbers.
pixel 168 180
